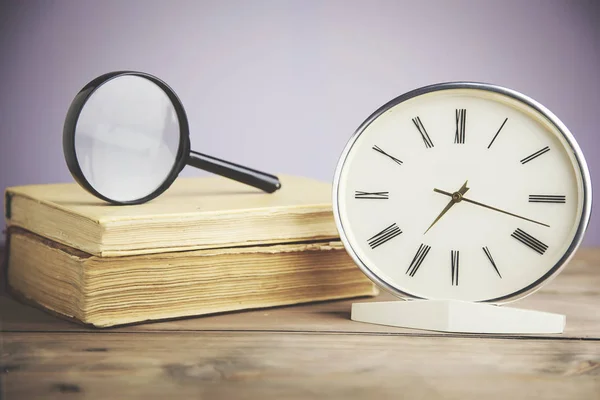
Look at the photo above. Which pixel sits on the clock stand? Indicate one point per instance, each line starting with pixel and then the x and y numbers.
pixel 458 316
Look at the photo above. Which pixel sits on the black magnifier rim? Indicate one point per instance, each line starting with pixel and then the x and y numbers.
pixel 71 124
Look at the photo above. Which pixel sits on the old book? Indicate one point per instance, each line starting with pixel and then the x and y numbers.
pixel 107 291
pixel 194 213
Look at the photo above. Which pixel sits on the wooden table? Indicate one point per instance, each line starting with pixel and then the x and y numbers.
pixel 306 351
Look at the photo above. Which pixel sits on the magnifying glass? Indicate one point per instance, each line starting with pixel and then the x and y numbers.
pixel 126 138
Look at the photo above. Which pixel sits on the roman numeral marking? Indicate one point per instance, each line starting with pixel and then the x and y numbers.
pixel 529 241
pixel 547 198
pixel 454 262
pixel 358 194
pixel 418 259
pixel 496 135
pixel 535 155
pixel 377 149
pixel 489 256
pixel 423 132
pixel 461 121
pixel 385 235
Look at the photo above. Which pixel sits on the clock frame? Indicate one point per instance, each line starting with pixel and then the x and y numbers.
pixel 536 106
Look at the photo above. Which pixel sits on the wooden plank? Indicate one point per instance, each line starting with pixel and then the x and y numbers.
pixel 583 320
pixel 576 293
pixel 295 366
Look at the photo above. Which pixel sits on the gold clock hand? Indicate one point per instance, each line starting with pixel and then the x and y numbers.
pixel 491 208
pixel 456 198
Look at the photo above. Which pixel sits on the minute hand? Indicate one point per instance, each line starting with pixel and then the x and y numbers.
pixel 491 208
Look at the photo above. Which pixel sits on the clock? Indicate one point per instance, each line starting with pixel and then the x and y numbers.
pixel 462 191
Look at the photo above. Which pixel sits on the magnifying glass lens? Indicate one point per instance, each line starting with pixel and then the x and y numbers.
pixel 127 138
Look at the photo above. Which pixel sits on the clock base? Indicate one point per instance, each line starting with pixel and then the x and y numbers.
pixel 457 316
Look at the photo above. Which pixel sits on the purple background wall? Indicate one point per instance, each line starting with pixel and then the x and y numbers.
pixel 281 85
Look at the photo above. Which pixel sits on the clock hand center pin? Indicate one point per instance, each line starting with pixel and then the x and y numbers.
pixel 457 197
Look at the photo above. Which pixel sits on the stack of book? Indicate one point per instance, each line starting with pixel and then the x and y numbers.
pixel 206 245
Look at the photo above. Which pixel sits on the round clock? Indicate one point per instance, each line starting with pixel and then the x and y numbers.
pixel 462 191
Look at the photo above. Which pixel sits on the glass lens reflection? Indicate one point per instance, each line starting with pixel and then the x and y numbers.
pixel 127 138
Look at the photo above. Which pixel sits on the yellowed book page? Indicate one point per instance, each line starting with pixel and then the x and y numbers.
pixel 112 291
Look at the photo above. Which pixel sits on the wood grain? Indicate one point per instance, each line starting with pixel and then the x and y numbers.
pixel 245 365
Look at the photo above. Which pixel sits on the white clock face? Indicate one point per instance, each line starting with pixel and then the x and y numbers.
pixel 461 193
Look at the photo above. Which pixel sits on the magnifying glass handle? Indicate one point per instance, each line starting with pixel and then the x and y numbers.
pixel 260 180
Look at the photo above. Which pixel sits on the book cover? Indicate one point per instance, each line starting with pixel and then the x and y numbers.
pixel 194 213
